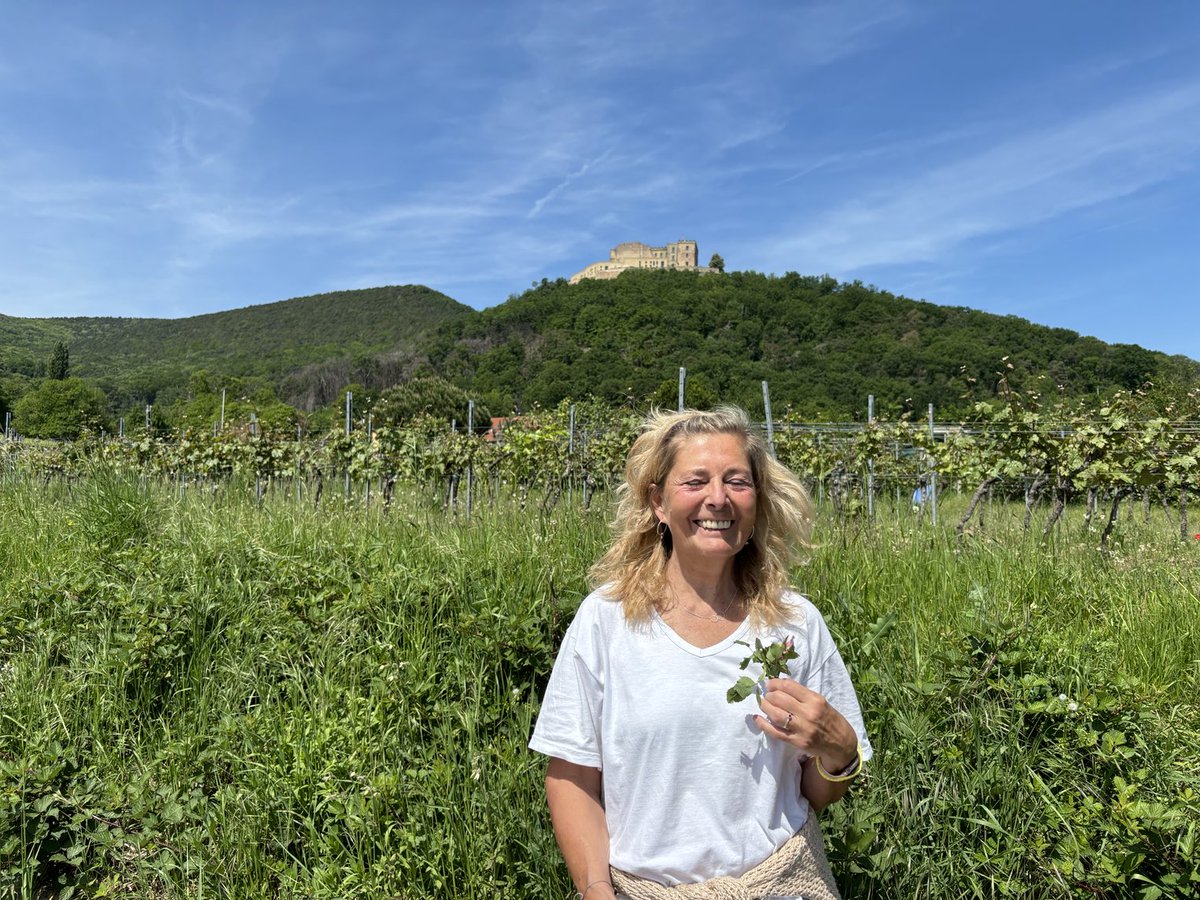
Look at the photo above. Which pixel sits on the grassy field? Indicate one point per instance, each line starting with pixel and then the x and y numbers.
pixel 199 697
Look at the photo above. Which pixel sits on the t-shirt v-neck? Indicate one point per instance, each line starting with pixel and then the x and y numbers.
pixel 700 652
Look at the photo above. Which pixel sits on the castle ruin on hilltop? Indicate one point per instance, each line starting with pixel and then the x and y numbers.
pixel 681 254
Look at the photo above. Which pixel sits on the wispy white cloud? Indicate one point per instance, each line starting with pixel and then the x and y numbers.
pixel 888 150
pixel 541 201
pixel 1046 172
pixel 30 196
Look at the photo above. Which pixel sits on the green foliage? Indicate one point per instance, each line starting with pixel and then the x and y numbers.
pixel 306 348
pixel 717 262
pixel 772 659
pixel 822 345
pixel 427 395
pixel 246 399
pixel 63 410
pixel 267 706
pixel 698 393
pixel 1129 441
pixel 114 513
pixel 1012 732
pixel 59 366
pixel 202 696
pixel 1060 448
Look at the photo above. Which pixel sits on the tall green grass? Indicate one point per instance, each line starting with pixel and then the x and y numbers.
pixel 1034 711
pixel 202 697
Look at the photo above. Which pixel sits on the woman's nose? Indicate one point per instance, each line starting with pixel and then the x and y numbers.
pixel 716 494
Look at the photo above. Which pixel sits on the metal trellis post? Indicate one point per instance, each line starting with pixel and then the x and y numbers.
pixel 871 463
pixel 349 408
pixel 571 457
pixel 770 425
pixel 470 466
pixel 933 498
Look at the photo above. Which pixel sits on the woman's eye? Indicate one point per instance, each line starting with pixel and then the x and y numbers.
pixel 739 483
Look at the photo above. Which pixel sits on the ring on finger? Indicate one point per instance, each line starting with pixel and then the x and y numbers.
pixel 787 723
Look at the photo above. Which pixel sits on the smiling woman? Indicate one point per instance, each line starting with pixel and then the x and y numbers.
pixel 655 780
pixel 708 505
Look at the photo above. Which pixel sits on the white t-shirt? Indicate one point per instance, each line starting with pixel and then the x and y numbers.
pixel 692 788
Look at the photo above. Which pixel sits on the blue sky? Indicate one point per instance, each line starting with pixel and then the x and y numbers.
pixel 1039 159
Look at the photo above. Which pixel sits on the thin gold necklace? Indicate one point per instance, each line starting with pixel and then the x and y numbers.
pixel 717 618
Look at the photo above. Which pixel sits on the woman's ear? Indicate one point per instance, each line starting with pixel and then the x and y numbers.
pixel 656 503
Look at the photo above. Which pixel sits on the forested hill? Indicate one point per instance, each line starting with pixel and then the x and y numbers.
pixel 285 342
pixel 822 345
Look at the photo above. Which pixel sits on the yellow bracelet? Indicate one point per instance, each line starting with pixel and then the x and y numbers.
pixel 847 774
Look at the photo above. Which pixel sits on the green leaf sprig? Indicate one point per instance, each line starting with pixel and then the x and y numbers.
pixel 773 658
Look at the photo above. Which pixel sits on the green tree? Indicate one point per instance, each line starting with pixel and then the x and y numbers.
pixel 59 367
pixel 426 395
pixel 274 416
pixel 201 382
pixel 61 410
pixel 244 397
pixel 717 262
pixel 698 393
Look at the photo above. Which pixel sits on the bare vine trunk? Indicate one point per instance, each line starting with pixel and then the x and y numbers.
pixel 553 491
pixel 1060 502
pixel 389 490
pixel 983 488
pixel 1031 496
pixel 1112 518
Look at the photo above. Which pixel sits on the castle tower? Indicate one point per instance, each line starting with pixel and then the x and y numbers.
pixel 682 254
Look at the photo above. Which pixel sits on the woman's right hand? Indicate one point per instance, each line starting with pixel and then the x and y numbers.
pixel 807 721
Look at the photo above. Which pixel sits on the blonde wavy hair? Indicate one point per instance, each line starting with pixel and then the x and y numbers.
pixel 635 564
